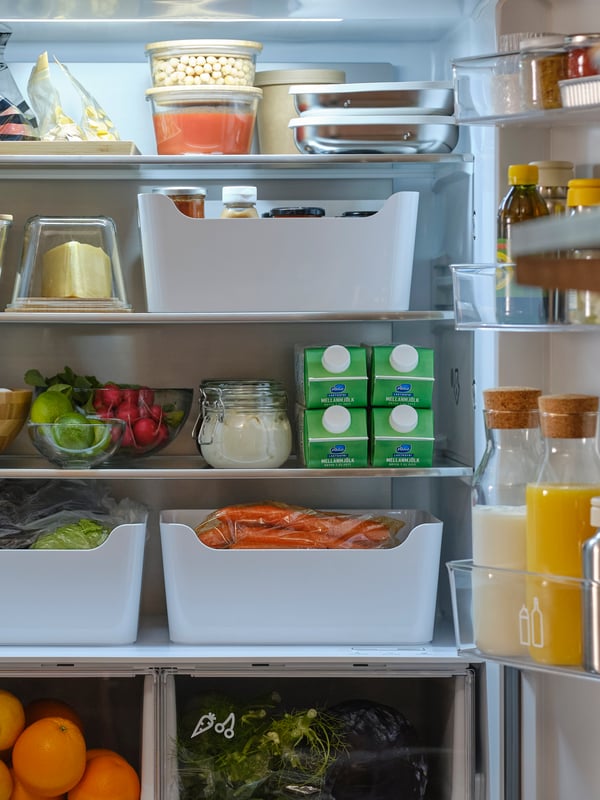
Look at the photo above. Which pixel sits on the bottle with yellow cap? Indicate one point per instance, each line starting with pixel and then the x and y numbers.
pixel 583 197
pixel 516 304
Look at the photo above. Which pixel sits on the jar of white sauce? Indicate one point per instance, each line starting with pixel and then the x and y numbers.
pixel 243 424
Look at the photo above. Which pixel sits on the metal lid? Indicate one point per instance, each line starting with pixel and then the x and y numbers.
pixel 6 217
pixel 543 42
pixel 582 38
pixel 180 190
pixel 296 211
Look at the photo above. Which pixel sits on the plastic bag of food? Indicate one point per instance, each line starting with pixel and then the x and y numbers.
pixel 53 123
pixel 95 122
pixel 32 508
pixel 278 525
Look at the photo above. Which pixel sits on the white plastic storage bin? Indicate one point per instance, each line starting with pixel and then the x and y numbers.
pixel 74 597
pixel 278 265
pixel 309 597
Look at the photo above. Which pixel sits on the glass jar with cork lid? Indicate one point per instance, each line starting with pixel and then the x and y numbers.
pixel 558 523
pixel 511 460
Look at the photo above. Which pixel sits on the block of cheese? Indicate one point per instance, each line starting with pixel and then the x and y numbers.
pixel 76 270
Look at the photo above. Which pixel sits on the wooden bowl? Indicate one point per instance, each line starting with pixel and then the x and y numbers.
pixel 14 408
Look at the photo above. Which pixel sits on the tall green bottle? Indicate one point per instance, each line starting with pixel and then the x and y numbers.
pixel 517 304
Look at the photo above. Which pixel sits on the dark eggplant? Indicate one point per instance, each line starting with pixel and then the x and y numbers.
pixel 382 761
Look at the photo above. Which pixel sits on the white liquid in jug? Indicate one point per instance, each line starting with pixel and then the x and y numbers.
pixel 499 598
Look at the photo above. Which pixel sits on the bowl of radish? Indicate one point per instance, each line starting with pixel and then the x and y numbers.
pixel 153 417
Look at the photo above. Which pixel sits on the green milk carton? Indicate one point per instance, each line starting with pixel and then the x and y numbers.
pixel 401 437
pixel 401 374
pixel 333 375
pixel 334 438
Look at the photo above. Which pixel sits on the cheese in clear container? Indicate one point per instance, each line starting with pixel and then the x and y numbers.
pixel 243 424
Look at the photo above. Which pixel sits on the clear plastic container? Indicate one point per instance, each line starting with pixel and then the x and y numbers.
pixel 243 424
pixel 69 264
pixel 558 523
pixel 543 64
pixel 203 62
pixel 511 460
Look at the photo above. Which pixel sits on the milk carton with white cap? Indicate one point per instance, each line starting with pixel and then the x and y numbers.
pixel 401 374
pixel 332 375
pixel 334 438
pixel 402 436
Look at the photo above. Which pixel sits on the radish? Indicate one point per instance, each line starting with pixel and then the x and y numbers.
pixel 147 432
pixel 110 395
pixel 128 412
pixel 146 396
pixel 130 396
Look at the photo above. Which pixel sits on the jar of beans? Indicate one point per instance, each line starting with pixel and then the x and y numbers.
pixel 542 64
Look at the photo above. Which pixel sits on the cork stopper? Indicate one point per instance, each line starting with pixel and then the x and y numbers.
pixel 568 416
pixel 511 407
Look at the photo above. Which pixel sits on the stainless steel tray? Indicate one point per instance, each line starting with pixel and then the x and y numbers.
pixel 420 97
pixel 340 133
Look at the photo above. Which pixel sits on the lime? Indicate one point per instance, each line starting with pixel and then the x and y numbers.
pixel 50 405
pixel 73 431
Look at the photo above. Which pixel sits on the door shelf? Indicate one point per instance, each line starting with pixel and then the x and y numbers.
pixel 522 619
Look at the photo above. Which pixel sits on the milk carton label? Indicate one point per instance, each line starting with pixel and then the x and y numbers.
pixel 324 448
pixel 333 375
pixel 406 442
pixel 401 374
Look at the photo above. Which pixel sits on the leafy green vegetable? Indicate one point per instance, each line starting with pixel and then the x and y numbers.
pixel 268 752
pixel 83 535
pixel 82 385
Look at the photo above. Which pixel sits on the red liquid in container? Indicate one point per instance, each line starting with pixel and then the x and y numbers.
pixel 202 132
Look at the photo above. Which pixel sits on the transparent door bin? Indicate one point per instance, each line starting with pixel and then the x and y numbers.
pixel 522 618
pixel 69 264
pixel 487 86
pixel 480 300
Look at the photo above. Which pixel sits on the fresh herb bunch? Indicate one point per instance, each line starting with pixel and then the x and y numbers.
pixel 81 386
pixel 272 754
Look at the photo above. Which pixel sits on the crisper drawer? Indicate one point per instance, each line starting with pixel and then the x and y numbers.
pixel 74 597
pixel 105 710
pixel 275 596
pixel 319 731
pixel 278 265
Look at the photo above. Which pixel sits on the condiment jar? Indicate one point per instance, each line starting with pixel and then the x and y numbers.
pixel 295 211
pixel 239 202
pixel 558 523
pixel 188 199
pixel 583 55
pixel 511 459
pixel 243 424
pixel 543 63
pixel 583 197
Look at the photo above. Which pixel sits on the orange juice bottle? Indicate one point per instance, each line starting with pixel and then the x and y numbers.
pixel 558 523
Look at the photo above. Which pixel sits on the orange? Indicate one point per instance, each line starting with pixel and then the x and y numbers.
pixel 107 777
pixel 19 792
pixel 12 719
pixel 6 782
pixel 51 707
pixel 102 751
pixel 49 756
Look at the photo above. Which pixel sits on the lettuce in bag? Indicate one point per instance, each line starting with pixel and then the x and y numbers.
pixel 82 535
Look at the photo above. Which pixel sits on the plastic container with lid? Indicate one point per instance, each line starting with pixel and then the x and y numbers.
pixel 204 119
pixel 277 107
pixel 558 523
pixel 243 424
pixel 188 199
pixel 239 202
pixel 583 55
pixel 543 63
pixel 511 460
pixel 203 62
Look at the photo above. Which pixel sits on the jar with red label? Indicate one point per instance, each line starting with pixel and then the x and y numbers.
pixel 583 55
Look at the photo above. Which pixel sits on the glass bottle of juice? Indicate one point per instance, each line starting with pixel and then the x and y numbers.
pixel 516 304
pixel 558 523
pixel 511 460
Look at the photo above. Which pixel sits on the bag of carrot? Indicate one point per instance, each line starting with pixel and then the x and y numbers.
pixel 273 525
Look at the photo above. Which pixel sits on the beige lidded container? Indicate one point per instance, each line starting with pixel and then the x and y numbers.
pixel 277 107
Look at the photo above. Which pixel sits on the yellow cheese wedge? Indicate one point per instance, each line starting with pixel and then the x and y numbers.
pixel 76 270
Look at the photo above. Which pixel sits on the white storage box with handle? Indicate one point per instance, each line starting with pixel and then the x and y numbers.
pixel 309 597
pixel 74 597
pixel 328 264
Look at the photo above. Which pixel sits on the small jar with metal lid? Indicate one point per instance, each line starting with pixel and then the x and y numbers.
pixel 583 55
pixel 295 211
pixel 243 424
pixel 542 64
pixel 188 199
